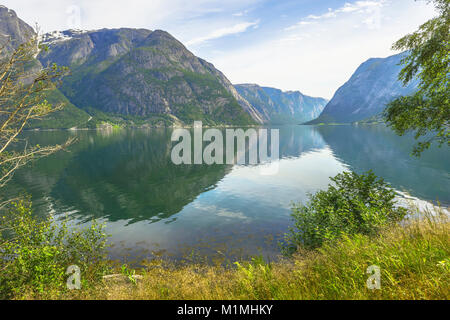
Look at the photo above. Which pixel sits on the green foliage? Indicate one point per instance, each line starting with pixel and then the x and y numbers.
pixel 256 279
pixel 129 273
pixel 376 119
pixel 412 257
pixel 121 120
pixel 69 117
pixel 34 255
pixel 354 204
pixel 427 112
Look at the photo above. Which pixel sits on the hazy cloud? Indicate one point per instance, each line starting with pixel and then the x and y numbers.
pixel 222 32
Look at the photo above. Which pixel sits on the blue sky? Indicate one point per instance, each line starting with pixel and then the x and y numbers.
pixel 309 45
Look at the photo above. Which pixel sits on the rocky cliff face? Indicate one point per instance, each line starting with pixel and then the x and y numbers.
pixel 13 31
pixel 143 73
pixel 278 107
pixel 373 85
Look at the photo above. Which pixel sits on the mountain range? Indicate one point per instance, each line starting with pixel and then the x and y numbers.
pixel 136 75
pixel 149 78
pixel 144 73
pixel 278 107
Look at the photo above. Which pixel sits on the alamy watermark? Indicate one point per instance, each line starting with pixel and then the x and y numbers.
pixel 374 280
pixel 74 279
pixel 73 17
pixel 249 147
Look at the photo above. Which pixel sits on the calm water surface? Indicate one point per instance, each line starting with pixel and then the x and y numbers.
pixel 153 207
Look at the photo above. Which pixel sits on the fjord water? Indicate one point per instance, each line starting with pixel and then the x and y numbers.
pixel 152 207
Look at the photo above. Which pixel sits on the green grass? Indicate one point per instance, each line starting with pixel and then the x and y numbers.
pixel 414 259
pixel 120 120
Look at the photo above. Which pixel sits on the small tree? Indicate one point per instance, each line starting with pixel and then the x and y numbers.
pixel 427 112
pixel 24 85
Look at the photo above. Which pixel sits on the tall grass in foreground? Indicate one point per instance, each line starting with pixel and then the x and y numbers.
pixel 414 258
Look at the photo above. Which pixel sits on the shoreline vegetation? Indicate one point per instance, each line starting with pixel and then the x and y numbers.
pixel 414 259
pixel 336 237
pixel 111 126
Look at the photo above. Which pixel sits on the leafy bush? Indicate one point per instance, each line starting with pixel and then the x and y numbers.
pixel 34 255
pixel 354 204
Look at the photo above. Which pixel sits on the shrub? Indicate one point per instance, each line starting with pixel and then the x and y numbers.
pixel 34 255
pixel 354 204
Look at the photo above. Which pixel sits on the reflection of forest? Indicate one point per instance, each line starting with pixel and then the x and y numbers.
pixel 128 174
pixel 379 149
pixel 123 175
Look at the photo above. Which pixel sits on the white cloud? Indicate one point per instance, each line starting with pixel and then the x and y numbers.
pixel 299 24
pixel 370 9
pixel 240 13
pixel 222 32
pixel 155 14
pixel 317 58
pixel 221 212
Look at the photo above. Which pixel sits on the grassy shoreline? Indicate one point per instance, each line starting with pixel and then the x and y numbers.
pixel 414 259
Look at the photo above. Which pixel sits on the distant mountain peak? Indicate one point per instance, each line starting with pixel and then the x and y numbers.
pixel 373 85
pixel 5 10
pixel 281 107
pixel 65 35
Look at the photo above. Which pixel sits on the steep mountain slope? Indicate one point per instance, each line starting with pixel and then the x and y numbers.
pixel 13 32
pixel 278 107
pixel 69 117
pixel 373 85
pixel 144 73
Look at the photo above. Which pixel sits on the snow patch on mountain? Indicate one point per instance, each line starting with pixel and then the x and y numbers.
pixel 59 36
